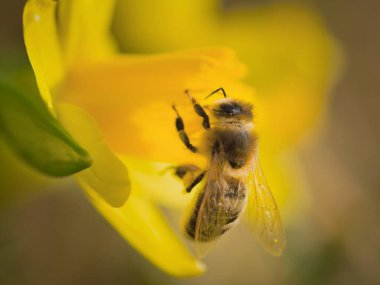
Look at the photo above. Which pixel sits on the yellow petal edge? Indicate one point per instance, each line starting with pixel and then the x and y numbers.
pixel 42 45
pixel 108 176
pixel 145 228
pixel 85 30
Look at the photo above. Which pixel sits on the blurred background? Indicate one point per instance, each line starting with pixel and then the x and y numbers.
pixel 50 234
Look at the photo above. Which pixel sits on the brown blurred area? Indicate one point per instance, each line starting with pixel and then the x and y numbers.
pixel 56 237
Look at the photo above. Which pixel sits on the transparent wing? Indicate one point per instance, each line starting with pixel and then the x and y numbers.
pixel 263 215
pixel 211 215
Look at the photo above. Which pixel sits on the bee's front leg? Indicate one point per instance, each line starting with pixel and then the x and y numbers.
pixel 200 111
pixel 191 175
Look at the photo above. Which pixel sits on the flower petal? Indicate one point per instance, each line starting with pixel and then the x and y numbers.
pixel 131 97
pixel 291 57
pixel 107 176
pixel 148 26
pixel 157 182
pixel 42 45
pixel 36 136
pixel 85 27
pixel 292 69
pixel 145 228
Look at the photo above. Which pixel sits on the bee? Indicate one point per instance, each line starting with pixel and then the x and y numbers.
pixel 233 182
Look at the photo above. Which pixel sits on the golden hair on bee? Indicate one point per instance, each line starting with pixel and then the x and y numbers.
pixel 232 180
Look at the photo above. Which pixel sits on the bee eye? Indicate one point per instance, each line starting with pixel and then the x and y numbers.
pixel 228 109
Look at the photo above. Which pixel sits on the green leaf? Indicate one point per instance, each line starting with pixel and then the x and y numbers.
pixel 36 136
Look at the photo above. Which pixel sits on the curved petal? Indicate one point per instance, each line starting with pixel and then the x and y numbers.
pixel 85 27
pixel 42 45
pixel 131 97
pixel 145 228
pixel 107 176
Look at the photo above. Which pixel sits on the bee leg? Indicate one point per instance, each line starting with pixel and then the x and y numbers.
pixel 180 126
pixel 199 110
pixel 195 182
pixel 190 175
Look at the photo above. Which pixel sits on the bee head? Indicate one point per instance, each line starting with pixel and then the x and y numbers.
pixel 232 111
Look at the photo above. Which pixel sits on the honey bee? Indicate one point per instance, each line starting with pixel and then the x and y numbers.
pixel 233 182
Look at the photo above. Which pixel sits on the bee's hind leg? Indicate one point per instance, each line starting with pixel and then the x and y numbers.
pixel 195 182
pixel 191 175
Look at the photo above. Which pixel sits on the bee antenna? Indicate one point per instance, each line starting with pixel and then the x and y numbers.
pixel 216 91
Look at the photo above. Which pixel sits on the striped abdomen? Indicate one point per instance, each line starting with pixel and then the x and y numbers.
pixel 220 208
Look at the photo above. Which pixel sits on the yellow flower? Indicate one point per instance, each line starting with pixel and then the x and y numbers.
pixel 117 107
pixel 292 63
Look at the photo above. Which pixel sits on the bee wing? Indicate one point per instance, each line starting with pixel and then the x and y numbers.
pixel 263 215
pixel 211 217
